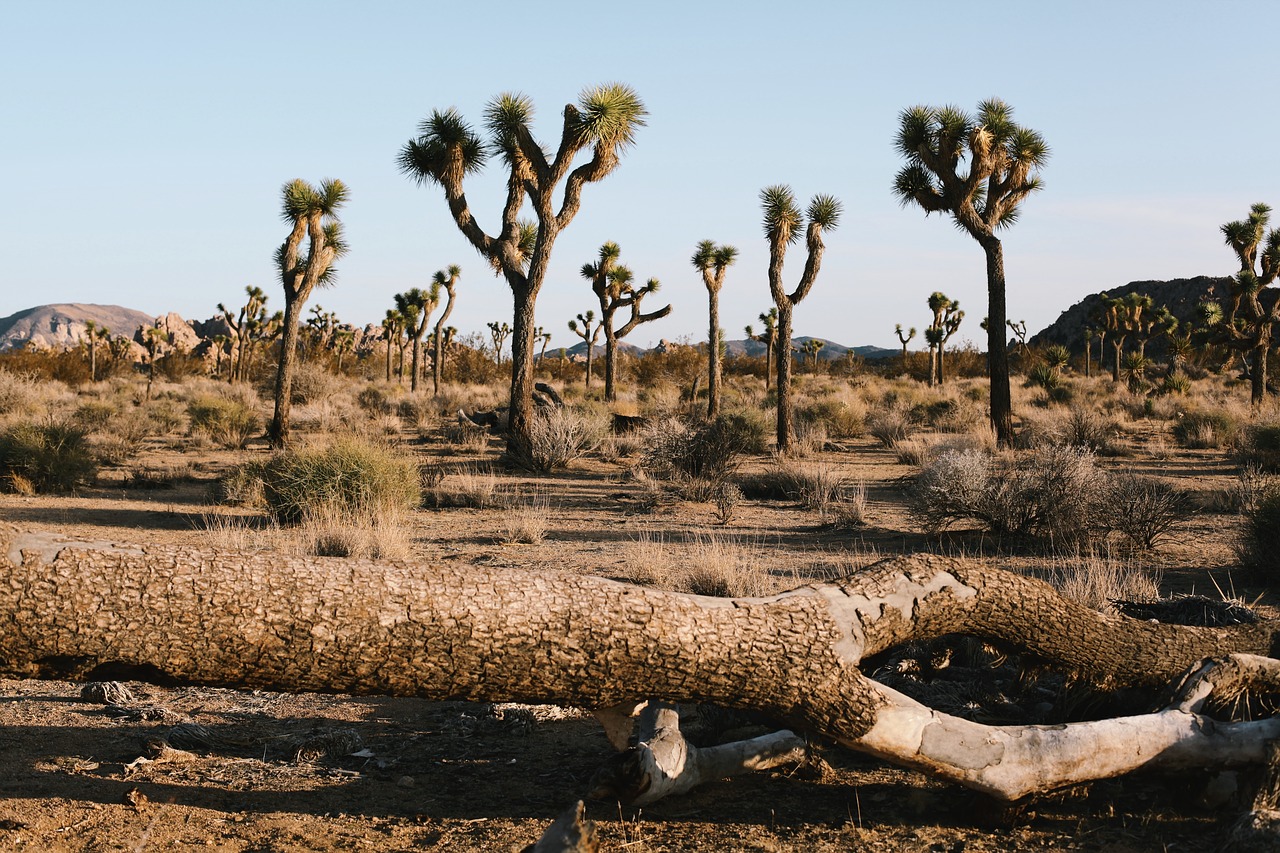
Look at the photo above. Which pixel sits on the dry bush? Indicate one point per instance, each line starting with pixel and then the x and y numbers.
pixel 557 437
pixel 851 509
pixel 1098 580
pixel 23 393
pixel 891 425
pixel 1259 544
pixel 313 382
pixel 1052 493
pixel 464 437
pixel 700 457
pixel 913 451
pixel 229 423
pixel 842 416
pixel 727 500
pixel 1259 447
pixel 1078 426
pixel 1144 509
pixel 45 457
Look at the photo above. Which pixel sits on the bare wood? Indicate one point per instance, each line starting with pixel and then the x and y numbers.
pixel 323 624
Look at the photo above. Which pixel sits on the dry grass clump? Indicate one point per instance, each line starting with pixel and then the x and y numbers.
pixel 695 458
pixel 22 393
pixel 525 522
pixel 1207 430
pixel 383 539
pixel 473 486
pixel 891 425
pixel 703 564
pixel 1259 447
pixel 1099 580
pixel 1079 426
pixel 352 479
pixel 1259 544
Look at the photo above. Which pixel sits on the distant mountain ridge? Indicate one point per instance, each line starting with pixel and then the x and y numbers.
pixel 830 351
pixel 62 325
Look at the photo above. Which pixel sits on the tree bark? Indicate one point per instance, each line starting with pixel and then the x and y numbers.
pixel 997 351
pixel 713 355
pixel 519 428
pixel 782 358
pixel 278 434
pixel 91 610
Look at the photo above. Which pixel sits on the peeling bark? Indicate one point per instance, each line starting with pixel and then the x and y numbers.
pixel 82 610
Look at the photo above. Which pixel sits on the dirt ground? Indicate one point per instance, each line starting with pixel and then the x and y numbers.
pixel 311 772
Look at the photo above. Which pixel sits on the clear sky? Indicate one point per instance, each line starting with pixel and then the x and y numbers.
pixel 143 146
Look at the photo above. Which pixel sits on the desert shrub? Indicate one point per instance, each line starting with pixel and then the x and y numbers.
pixel 352 479
pixel 1259 447
pixel 1144 508
pixel 525 523
pixel 704 564
pixel 727 500
pixel 913 451
pixel 1201 430
pixel 241 485
pixel 1259 545
pixel 840 418
pixel 374 401
pixel 45 457
pixel 752 428
pixel 20 392
pixel 313 383
pixel 558 436
pixel 123 436
pixel 165 416
pixel 94 414
pixel 228 423
pixel 1098 580
pixel 1052 493
pixel 708 453
pixel 890 425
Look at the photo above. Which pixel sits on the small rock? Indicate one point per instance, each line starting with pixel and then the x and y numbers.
pixel 405 782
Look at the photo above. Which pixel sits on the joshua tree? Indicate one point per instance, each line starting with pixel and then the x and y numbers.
pixel 812 347
pixel 541 334
pixel 448 279
pixel 416 305
pixel 947 317
pixel 220 344
pixel 344 341
pixel 1056 358
pixel 153 339
pixel 769 337
pixel 904 339
pixel 499 332
pixel 783 225
pixel 392 331
pixel 712 261
pixel 253 312
pixel 321 327
pixel 604 122
pixel 1002 162
pixel 589 334
pixel 94 334
pixel 612 285
pixel 1246 324
pixel 312 214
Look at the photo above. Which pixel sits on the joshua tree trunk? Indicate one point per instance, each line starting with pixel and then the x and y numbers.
pixel 90 610
pixel 1117 347
pixel 437 359
pixel 768 362
pixel 520 426
pixel 997 351
pixel 610 360
pixel 1258 373
pixel 278 433
pixel 713 356
pixel 782 356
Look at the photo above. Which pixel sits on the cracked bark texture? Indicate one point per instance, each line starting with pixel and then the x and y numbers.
pixel 448 632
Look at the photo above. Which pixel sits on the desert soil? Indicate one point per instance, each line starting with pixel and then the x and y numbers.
pixel 314 772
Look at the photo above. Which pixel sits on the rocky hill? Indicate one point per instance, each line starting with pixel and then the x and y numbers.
pixel 63 325
pixel 1181 295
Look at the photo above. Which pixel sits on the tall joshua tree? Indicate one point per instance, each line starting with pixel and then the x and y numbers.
pixel 613 286
pixel 589 334
pixel 446 279
pixel 416 305
pixel 978 168
pixel 254 311
pixel 712 261
pixel 603 123
pixel 783 225
pixel 94 335
pixel 312 214
pixel 1247 325
pixel 769 337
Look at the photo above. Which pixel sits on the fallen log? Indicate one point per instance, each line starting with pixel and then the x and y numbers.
pixel 93 611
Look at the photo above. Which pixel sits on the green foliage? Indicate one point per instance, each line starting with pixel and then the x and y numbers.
pixel 229 423
pixel 352 479
pixel 45 457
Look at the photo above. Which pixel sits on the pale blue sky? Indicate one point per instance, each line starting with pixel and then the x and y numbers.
pixel 143 146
